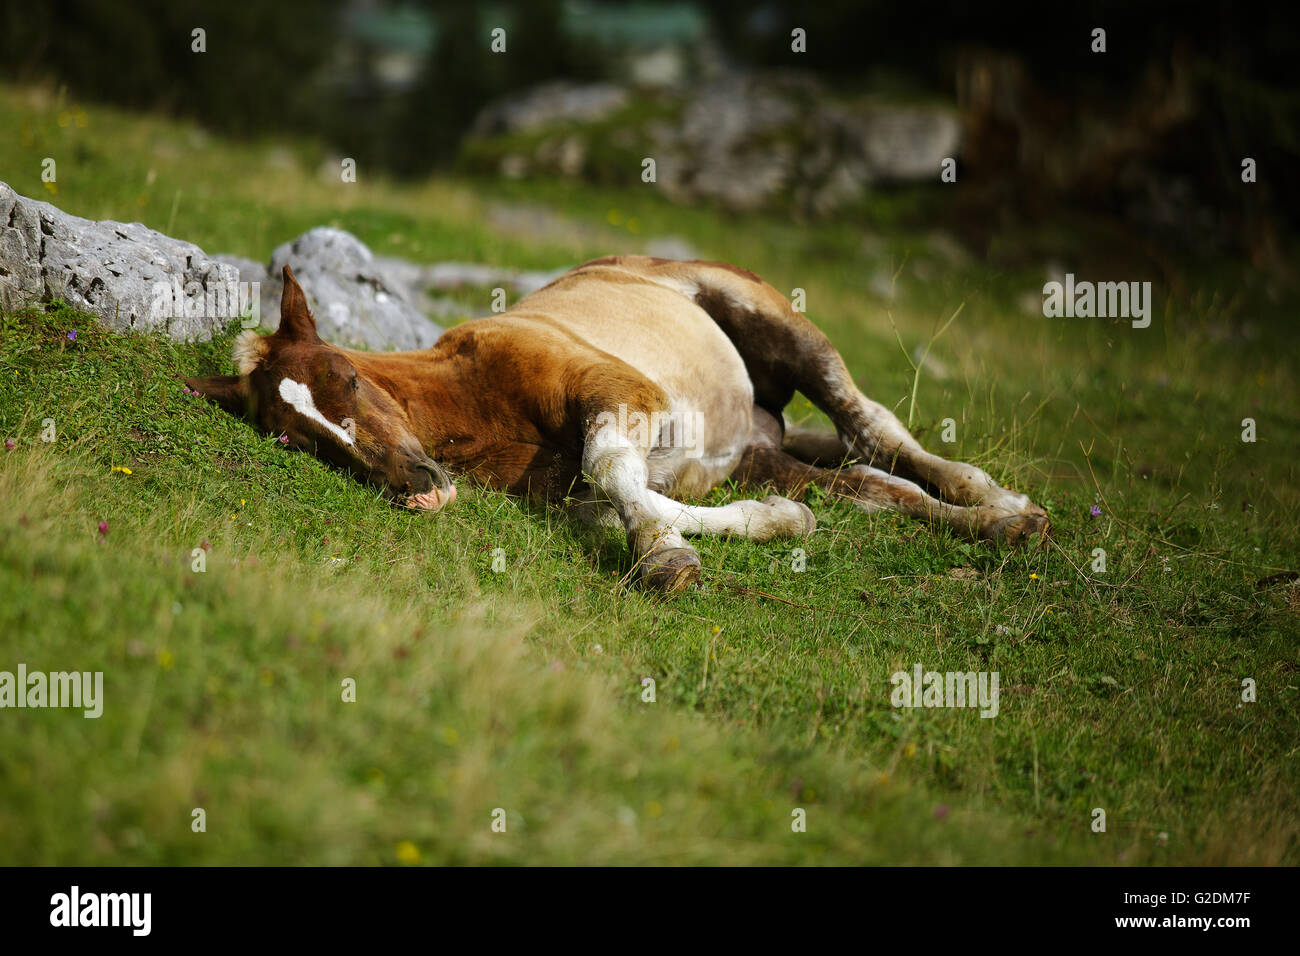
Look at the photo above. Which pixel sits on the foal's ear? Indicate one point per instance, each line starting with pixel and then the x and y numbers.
pixel 228 391
pixel 295 321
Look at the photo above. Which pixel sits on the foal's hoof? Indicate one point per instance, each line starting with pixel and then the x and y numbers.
pixel 1018 529
pixel 800 517
pixel 670 570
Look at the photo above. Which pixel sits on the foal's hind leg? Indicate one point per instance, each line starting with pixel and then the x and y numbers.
pixel 973 504
pixel 870 488
pixel 875 435
pixel 784 352
pixel 816 446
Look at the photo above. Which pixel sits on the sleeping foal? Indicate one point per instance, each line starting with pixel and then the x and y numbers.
pixel 624 388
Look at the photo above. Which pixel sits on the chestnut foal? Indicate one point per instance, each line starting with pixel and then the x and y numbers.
pixel 622 388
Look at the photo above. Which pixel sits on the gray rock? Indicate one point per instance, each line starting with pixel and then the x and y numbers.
pixel 454 275
pixel 905 143
pixel 356 301
pixel 428 283
pixel 136 279
pixel 548 104
pixel 129 276
pixel 730 144
pixel 249 271
pixel 446 276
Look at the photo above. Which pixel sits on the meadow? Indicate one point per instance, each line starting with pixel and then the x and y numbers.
pixel 524 690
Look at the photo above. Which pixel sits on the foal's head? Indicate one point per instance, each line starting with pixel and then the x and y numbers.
pixel 294 384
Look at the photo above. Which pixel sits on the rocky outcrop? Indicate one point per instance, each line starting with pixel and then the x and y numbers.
pixel 136 279
pixel 420 279
pixel 743 141
pixel 130 276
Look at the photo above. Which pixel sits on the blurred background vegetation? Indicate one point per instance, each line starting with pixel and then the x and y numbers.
pixel 1140 148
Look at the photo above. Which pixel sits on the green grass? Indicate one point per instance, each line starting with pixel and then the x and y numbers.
pixel 522 689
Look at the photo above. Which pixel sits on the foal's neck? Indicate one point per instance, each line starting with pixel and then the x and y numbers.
pixel 424 385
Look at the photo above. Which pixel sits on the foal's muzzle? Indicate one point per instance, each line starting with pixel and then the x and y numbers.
pixel 442 493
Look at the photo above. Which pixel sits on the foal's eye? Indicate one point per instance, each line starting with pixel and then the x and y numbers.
pixel 354 381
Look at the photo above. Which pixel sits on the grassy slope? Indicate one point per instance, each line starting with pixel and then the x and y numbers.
pixel 480 690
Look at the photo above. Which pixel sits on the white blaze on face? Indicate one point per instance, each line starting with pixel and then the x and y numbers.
pixel 299 397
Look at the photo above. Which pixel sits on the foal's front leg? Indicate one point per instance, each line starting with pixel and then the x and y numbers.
pixel 618 475
pixel 617 471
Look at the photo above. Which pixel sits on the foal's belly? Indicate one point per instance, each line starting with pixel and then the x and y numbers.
pixel 674 343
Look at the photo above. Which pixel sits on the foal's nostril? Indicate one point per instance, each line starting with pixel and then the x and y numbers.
pixel 440 477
